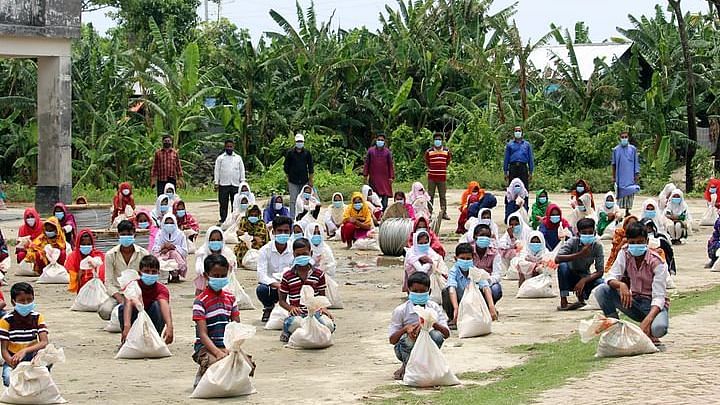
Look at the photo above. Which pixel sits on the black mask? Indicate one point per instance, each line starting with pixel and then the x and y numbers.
pixel 167 145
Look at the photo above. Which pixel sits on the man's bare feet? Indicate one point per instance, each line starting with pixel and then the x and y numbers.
pixel 399 373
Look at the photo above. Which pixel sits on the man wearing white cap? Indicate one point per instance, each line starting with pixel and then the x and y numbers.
pixel 299 169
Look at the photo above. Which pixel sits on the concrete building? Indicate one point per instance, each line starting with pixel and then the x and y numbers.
pixel 44 29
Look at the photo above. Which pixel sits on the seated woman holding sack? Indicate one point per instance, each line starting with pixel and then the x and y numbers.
pixel 532 260
pixel 123 198
pixel 400 208
pixel 275 208
pixel 86 248
pixel 67 222
pixel 143 222
pixel 171 244
pixel 186 222
pixel 307 202
pixel 542 201
pixel 581 188
pixel 609 216
pixel 251 224
pixel 420 200
pixel 554 227
pixel 334 215
pixel 422 224
pixel 31 228
pixel 357 221
pixel 421 257
pixel 52 235
pixel 512 242
pixel 678 217
pixel 322 254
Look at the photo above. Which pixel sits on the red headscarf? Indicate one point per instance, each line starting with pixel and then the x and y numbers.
pixel 548 223
pixel 712 183
pixel 186 222
pixel 78 277
pixel 35 231
pixel 120 201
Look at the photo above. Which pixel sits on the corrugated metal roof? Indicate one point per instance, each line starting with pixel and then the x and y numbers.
pixel 543 57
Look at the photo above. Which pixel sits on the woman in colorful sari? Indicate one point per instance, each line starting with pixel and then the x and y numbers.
pixel 609 216
pixel 515 196
pixel 542 201
pixel 171 244
pixel 143 221
pixel 32 227
pixel 678 218
pixel 52 235
pixel 162 207
pixel 122 199
pixel 275 208
pixel 334 215
pixel 186 222
pixel 357 221
pixel 422 224
pixel 85 248
pixel 254 226
pixel 67 222
pixel 552 225
pixel 307 202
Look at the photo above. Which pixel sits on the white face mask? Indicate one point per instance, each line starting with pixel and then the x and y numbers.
pixel 30 222
pixel 278 206
pixel 126 192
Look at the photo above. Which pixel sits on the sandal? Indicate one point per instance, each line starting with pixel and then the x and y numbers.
pixel 572 307
pixel 399 373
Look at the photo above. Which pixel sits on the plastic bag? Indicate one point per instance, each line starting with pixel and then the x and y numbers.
pixel 128 214
pixel 166 267
pixel 53 273
pixel 311 334
pixel 369 243
pixel 539 286
pixel 474 317
pixel 23 242
pixel 332 292
pixel 437 285
pixel 143 341
pixel 230 234
pixel 229 376
pixel 617 338
pixel 190 244
pixel 26 269
pixel 6 264
pixel 592 302
pixel 711 213
pixel 113 325
pixel 250 260
pixel 426 366
pixel 91 296
pixel 234 287
pixel 31 382
pixel 277 318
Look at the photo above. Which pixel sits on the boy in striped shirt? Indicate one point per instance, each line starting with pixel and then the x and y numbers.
pixel 22 331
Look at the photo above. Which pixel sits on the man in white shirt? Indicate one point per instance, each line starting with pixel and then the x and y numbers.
pixel 229 172
pixel 274 258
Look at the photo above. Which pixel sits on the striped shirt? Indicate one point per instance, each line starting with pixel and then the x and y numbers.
pixel 166 165
pixel 291 285
pixel 217 309
pixel 437 162
pixel 21 331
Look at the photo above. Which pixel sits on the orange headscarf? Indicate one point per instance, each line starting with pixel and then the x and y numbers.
pixel 364 215
pixel 78 278
pixel 618 242
pixel 467 193
pixel 37 247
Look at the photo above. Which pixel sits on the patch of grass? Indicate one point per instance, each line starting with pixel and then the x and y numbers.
pixel 549 365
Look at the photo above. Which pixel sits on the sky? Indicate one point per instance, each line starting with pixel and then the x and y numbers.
pixel 533 16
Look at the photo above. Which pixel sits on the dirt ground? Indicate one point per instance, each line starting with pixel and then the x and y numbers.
pixel 361 359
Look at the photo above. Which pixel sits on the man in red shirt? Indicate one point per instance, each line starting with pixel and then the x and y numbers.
pixel 166 167
pixel 437 160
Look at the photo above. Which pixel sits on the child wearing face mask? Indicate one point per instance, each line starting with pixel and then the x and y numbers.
pixel 486 257
pixel 554 227
pixel 156 302
pixel 515 197
pixel 513 240
pixel 186 222
pixel 123 256
pixel 273 259
pixel 122 199
pixel 421 257
pixel 334 215
pixel 52 235
pixel 214 245
pixel 143 222
pixel 405 323
pixel 458 280
pixel 574 259
pixel 322 254
pixel 162 207
pixel 303 272
pixel 542 201
pixel 32 227
pixel 253 225
pixel 307 202
pixel 23 331
pixel 171 244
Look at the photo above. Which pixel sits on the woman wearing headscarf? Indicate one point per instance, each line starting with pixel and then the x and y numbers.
pixel 162 207
pixel 143 222
pixel 171 194
pixel 583 209
pixel 372 200
pixel 420 257
pixel 664 197
pixel 254 226
pixel 214 245
pixel 186 222
pixel 465 214
pixel 713 245
pixel 661 244
pixel 472 194
pixel 322 255
pixel 334 215
pixel 515 197
pixel 275 208
pixel 609 216
pixel 307 202
pixel 513 240
pixel 619 241
pixel 420 200
pixel 711 193
pixel 581 187
pixel 422 224
pixel 401 208
pixel 85 244
pixel 243 199
pixel 67 222
pixel 484 217
pixel 650 210
pixel 171 244
pixel 52 235
pixel 678 217
pixel 554 227
pixel 357 220
pixel 542 201
pixel 122 199
pixel 32 227
pixel 531 261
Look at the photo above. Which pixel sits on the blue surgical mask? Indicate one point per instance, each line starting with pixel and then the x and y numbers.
pixel 297 235
pixel 243 207
pixel 713 190
pixel 650 214
pixel 587 239
pixel 419 298
pixel 180 213
pixel 400 201
pixel 518 187
pixel 423 247
pixel 126 240
pixel 437 143
pixel 536 247
pixel 482 242
pixel 542 200
pixel 169 228
pixel 357 206
pixel 217 283
pixel 143 225
pixel 60 215
pixel 582 208
pixel 253 220
pixel 316 240
pixel 24 309
pixel 464 264
pixel 637 249
pixel 609 204
pixel 215 245
pixel 164 208
pixel 517 229
pixel 170 194
pixel 380 144
pixel 580 189
pixel 85 249
pixel 301 261
pixel 282 238
pixel 149 279
pixel 337 204
pixel 299 145
pixel 517 134
pixel 555 219
pixel 306 196
pixel 50 234
pixel 676 200
pixel 624 141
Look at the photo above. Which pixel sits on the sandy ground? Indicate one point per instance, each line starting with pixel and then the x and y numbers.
pixel 361 358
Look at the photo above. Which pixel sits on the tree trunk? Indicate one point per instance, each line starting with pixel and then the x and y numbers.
pixel 690 97
pixel 523 88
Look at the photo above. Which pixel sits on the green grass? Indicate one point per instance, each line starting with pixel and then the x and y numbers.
pixel 549 365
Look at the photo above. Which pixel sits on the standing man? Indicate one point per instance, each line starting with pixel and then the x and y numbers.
pixel 626 172
pixel 229 173
pixel 437 160
pixel 166 167
pixel 519 161
pixel 299 169
pixel 379 170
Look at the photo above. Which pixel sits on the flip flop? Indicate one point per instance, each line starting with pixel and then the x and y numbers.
pixel 572 307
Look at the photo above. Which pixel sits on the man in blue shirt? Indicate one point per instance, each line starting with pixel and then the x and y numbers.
pixel 519 161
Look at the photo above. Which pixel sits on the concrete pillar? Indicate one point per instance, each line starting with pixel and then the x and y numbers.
pixel 54 97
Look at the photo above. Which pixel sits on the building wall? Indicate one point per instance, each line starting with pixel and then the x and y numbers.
pixel 44 18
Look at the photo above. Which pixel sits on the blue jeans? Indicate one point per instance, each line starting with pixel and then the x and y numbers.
pixel 609 300
pixel 292 323
pixel 153 312
pixel 568 279
pixel 7 369
pixel 267 295
pixel 404 346
pixel 294 190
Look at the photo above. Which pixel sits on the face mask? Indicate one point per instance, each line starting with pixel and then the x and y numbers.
pixel 624 141
pixel 609 204
pixel 380 144
pixel 475 193
pixel 24 309
pixel 301 261
pixel 580 189
pixel 400 202
pixel 299 145
pixel 676 200
pixel 713 190
pixel 278 206
pixel 518 134
pixel 437 143
pixel 30 222
pixel 170 194
pixel 126 192
pixel 217 283
pixel 229 151
pixel 149 279
pixel 316 240
pixel 50 234
pixel 215 245
pixel 582 208
pixel 306 196
pixel 85 249
pixel 542 200
pixel 419 298
pixel 169 228
pixel 282 238
pixel 482 242
pixel 253 220
pixel 126 240
pixel 337 204
pixel 650 214
pixel 243 207
pixel 555 219
pixel 423 247
pixel 518 187
pixel 517 229
pixel 485 221
pixel 60 215
pixel 143 225
pixel 464 264
pixel 357 206
pixel 587 239
pixel 167 145
pixel 245 192
pixel 181 213
pixel 535 247
pixel 297 235
pixel 637 249
pixel 163 209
